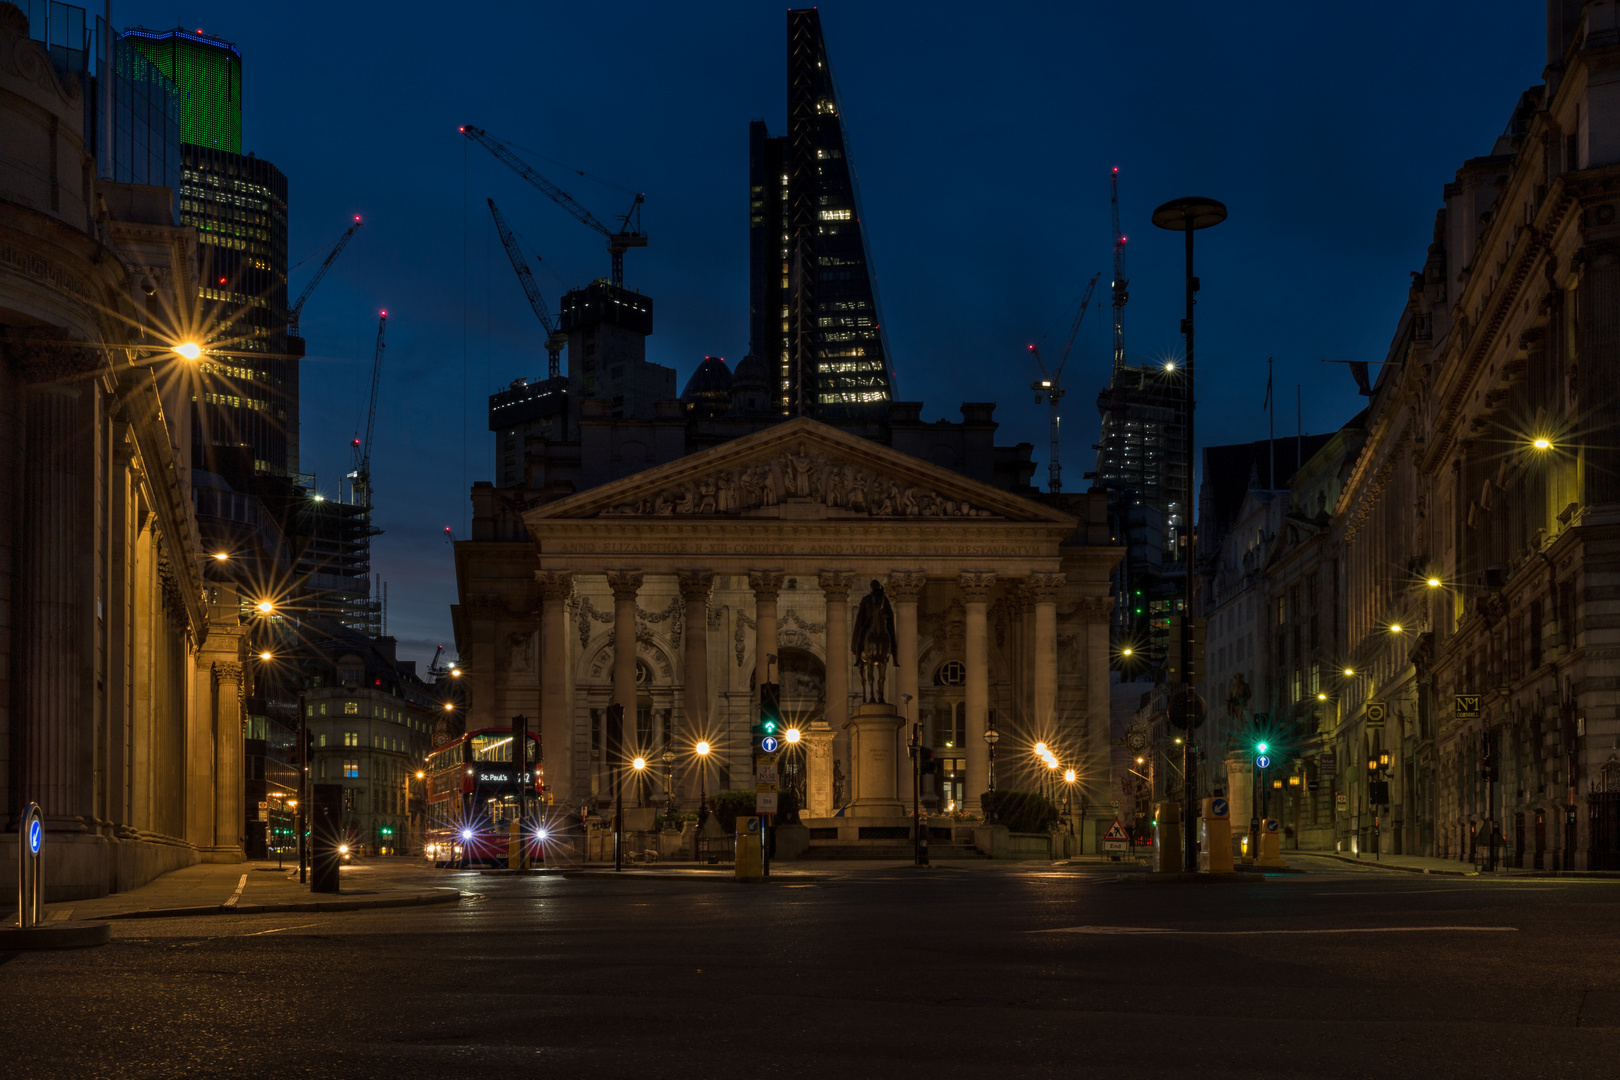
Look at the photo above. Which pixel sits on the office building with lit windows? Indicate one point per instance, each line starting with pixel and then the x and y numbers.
pixel 371 721
pixel 814 315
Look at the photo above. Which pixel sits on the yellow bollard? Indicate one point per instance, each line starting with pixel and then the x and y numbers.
pixel 1270 843
pixel 1215 830
pixel 750 855
pixel 1167 838
pixel 514 847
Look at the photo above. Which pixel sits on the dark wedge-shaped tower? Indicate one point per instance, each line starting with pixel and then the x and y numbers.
pixel 815 317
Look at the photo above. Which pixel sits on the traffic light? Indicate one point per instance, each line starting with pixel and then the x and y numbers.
pixel 926 765
pixel 770 718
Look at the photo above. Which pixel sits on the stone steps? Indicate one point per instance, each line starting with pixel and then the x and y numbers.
pixel 899 850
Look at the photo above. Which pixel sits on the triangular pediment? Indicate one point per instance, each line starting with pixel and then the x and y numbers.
pixel 800 470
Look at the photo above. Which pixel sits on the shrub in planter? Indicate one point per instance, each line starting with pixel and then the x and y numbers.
pixel 1020 811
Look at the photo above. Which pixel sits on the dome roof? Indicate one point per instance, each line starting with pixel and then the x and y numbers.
pixel 751 373
pixel 712 378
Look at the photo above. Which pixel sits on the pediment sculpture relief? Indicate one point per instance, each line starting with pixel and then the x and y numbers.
pixel 799 475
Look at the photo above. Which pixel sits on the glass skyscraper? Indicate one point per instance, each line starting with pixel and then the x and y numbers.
pixel 813 294
pixel 208 72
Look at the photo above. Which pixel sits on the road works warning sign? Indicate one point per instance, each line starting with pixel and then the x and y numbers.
pixel 1115 839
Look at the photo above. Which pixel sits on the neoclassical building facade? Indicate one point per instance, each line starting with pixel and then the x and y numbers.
pixel 744 563
pixel 120 664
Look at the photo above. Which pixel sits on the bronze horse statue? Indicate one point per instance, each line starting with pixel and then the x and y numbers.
pixel 873 642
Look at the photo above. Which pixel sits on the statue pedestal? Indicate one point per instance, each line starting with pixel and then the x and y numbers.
pixel 819 771
pixel 871 752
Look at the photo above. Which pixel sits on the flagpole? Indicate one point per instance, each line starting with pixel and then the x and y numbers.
pixel 1271 437
pixel 1299 426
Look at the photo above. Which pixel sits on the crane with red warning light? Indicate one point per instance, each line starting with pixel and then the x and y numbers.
pixel 555 339
pixel 297 308
pixel 1122 285
pixel 620 240
pixel 360 478
pixel 1048 385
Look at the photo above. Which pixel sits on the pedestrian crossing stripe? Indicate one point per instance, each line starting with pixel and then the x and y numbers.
pixel 1116 831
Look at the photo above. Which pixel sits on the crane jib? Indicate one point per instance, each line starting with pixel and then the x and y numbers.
pixel 619 240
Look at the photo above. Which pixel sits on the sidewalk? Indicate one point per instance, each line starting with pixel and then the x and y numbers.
pixel 251 888
pixel 1411 864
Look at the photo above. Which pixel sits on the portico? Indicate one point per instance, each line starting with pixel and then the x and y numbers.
pixel 669 592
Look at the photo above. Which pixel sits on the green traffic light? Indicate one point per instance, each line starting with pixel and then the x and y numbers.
pixel 769 726
pixel 1262 747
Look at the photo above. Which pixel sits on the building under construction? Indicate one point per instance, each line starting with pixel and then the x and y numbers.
pixel 1142 464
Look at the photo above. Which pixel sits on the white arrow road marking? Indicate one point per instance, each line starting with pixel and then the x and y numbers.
pixel 1251 933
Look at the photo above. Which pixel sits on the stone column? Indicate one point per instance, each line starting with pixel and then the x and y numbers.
pixel 766 584
pixel 976 586
pixel 52 584
pixel 228 776
pixel 696 586
pixel 1043 588
pixel 904 587
pixel 556 731
pixel 625 584
pixel 197 770
pixel 835 586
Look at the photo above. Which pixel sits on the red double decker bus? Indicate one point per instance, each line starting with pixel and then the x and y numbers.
pixel 474 794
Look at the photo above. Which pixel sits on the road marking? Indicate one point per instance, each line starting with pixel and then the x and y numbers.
pixel 237 895
pixel 1454 890
pixel 277 930
pixel 1252 933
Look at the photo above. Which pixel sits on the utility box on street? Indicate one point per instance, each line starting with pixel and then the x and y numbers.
pixel 1215 830
pixel 325 835
pixel 1270 843
pixel 1167 838
pixel 750 854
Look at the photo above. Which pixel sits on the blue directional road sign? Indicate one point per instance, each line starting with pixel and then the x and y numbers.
pixel 1272 824
pixel 1217 807
pixel 1262 762
pixel 769 744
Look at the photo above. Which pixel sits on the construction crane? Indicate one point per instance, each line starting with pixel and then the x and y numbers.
pixel 1048 385
pixel 628 234
pixel 1122 286
pixel 361 476
pixel 297 308
pixel 555 339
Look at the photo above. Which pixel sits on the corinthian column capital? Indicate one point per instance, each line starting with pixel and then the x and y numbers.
pixel 766 583
pixel 624 583
pixel 554 584
pixel 906 584
pixel 976 585
pixel 1044 586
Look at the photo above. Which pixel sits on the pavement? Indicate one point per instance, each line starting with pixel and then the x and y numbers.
pixel 1027 970
pixel 256 887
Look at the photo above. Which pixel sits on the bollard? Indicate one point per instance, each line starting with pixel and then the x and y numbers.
pixel 1270 843
pixel 750 853
pixel 1215 830
pixel 30 869
pixel 514 846
pixel 1167 838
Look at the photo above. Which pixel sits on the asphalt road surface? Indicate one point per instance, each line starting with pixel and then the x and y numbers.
pixel 993 971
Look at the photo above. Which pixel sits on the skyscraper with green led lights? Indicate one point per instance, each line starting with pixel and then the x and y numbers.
pixel 208 71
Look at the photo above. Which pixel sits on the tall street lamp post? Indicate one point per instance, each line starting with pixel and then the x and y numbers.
pixel 702 749
pixel 1187 216
pixel 991 736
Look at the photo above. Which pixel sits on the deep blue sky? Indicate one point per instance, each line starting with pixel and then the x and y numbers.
pixel 982 135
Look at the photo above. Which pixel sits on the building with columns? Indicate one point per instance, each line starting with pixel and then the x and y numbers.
pixel 121 672
pixel 717 561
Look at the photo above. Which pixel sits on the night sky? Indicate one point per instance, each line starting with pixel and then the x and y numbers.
pixel 982 135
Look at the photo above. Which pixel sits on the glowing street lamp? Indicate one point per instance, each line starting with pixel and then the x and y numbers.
pixel 265 607
pixel 702 750
pixel 188 350
pixel 1434 583
pixel 1541 442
